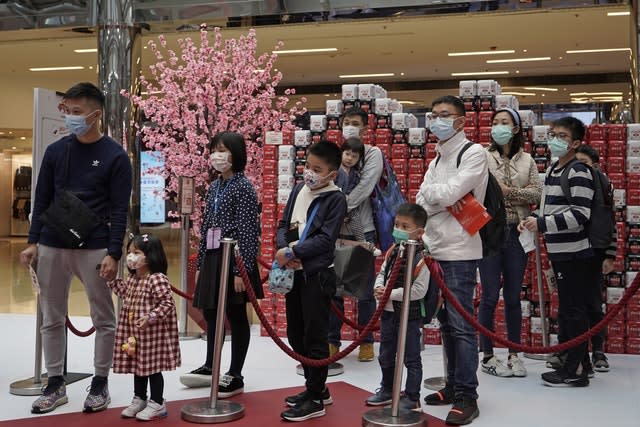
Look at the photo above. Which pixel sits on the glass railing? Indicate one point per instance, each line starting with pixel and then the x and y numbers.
pixel 17 15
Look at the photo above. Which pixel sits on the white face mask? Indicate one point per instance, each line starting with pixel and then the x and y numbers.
pixel 220 161
pixel 349 131
pixel 135 261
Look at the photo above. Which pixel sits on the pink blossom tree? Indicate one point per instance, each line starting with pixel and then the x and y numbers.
pixel 206 89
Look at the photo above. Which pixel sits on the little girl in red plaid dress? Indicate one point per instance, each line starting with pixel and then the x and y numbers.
pixel 147 340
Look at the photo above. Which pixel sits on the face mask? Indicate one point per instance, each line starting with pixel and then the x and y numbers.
pixel 502 134
pixel 401 235
pixel 442 128
pixel 349 131
pixel 77 124
pixel 135 261
pixel 220 161
pixel 312 179
pixel 558 147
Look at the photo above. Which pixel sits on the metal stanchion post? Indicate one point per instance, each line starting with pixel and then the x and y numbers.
pixel 394 416
pixel 33 386
pixel 438 383
pixel 545 331
pixel 184 260
pixel 213 410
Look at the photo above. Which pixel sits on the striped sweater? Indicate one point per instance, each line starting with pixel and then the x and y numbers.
pixel 562 221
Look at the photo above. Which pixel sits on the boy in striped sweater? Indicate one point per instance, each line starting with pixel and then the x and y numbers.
pixel 562 220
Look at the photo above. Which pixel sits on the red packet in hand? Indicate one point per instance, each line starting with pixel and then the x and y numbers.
pixel 473 215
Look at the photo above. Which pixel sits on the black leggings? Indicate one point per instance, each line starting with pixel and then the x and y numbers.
pixel 240 335
pixel 156 383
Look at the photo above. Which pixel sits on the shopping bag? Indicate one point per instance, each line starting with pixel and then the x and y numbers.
pixel 353 263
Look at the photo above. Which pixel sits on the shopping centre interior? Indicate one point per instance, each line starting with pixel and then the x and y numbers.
pixel 557 57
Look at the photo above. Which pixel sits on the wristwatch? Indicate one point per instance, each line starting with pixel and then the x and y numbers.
pixel 288 254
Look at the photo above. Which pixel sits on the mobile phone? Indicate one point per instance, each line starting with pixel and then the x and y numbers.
pixel 213 238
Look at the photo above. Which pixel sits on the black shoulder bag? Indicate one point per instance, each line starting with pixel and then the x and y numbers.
pixel 68 216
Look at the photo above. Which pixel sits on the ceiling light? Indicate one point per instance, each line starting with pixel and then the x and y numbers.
pixel 357 76
pixel 407 102
pixel 544 89
pixel 617 49
pixel 627 13
pixel 57 68
pixel 259 70
pixel 540 58
pixel 485 52
pixel 85 50
pixel 596 93
pixel 23 138
pixel 480 73
pixel 14 148
pixel 519 93
pixel 326 49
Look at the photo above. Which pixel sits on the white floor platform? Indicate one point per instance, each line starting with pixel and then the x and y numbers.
pixel 613 398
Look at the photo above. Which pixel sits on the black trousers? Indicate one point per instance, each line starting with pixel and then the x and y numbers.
pixel 308 306
pixel 595 304
pixel 577 280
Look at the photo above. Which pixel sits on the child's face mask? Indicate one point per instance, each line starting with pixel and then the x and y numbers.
pixel 135 261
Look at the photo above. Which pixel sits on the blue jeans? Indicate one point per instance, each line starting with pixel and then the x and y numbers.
pixel 509 265
pixel 389 328
pixel 366 306
pixel 459 338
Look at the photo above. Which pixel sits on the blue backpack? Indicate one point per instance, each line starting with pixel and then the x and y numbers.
pixel 385 200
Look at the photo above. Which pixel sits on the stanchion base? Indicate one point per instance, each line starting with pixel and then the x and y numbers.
pixel 200 412
pixel 535 356
pixel 381 417
pixel 435 383
pixel 188 336
pixel 334 369
pixel 29 387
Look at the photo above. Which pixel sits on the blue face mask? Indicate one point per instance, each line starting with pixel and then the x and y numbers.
pixel 558 147
pixel 442 128
pixel 502 134
pixel 77 124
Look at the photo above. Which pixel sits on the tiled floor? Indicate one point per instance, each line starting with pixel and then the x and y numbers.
pixel 612 398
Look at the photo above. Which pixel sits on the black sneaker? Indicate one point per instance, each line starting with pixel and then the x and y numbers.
pixel 600 362
pixel 230 385
pixel 465 410
pixel 561 378
pixel 300 397
pixel 446 396
pixel 588 369
pixel 200 377
pixel 305 410
pixel 556 360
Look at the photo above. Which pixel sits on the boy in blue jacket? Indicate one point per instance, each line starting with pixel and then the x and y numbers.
pixel 321 204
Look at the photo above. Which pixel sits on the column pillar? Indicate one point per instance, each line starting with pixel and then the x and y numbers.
pixel 119 57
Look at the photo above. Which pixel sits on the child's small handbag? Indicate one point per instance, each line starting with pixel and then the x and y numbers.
pixel 281 278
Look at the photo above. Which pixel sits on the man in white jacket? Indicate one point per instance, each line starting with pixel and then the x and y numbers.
pixel 445 183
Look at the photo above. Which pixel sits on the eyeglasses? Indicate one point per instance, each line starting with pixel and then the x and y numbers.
pixel 561 135
pixel 443 115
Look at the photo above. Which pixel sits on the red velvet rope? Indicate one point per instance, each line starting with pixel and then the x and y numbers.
pixel 451 299
pixel 78 332
pixel 316 363
pixel 349 322
pixel 182 294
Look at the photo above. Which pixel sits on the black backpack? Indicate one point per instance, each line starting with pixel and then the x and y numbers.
pixel 492 234
pixel 602 206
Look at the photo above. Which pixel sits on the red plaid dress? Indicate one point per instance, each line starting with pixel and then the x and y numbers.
pixel 157 346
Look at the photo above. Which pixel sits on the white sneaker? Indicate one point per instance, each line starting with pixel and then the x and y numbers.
pixel 136 406
pixel 494 366
pixel 152 411
pixel 516 365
